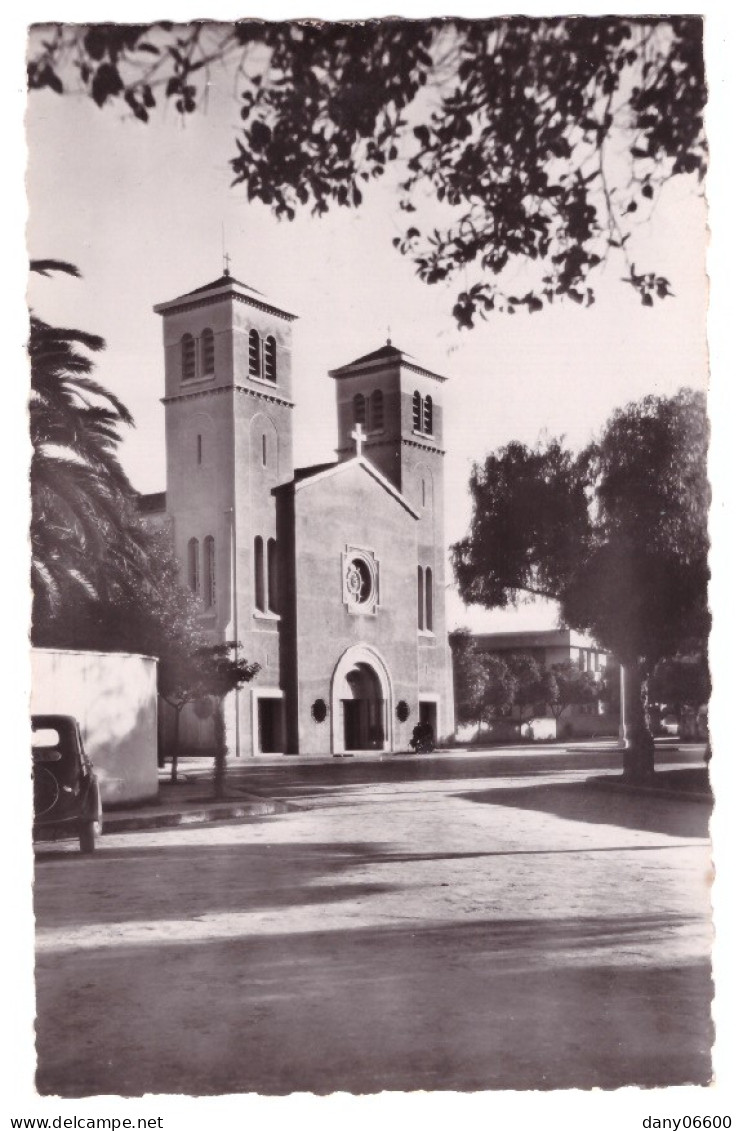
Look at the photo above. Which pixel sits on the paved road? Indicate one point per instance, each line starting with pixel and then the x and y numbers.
pixel 293 779
pixel 464 924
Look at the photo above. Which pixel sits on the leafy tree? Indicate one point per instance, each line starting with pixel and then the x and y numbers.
pixel 484 685
pixel 681 682
pixel 565 685
pixel 500 690
pixel 470 678
pixel 221 671
pixel 178 685
pixel 617 534
pixel 524 502
pixel 529 680
pixel 541 142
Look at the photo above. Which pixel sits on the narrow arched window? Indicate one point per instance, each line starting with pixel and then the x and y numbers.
pixel 416 411
pixel 188 357
pixel 270 359
pixel 199 449
pixel 377 411
pixel 194 579
pixel 207 353
pixel 423 492
pixel 359 410
pixel 273 576
pixel 264 449
pixel 421 601
pixel 429 599
pixel 254 354
pixel 210 578
pixel 428 416
pixel 259 574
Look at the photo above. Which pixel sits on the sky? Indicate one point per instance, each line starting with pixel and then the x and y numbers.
pixel 141 210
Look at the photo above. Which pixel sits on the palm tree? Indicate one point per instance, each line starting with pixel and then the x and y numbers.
pixel 81 497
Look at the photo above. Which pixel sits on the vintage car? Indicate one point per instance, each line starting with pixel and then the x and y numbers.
pixel 67 796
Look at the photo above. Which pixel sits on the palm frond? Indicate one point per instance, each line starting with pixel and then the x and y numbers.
pixel 46 266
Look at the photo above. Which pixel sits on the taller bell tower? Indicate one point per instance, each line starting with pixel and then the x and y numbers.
pixel 228 418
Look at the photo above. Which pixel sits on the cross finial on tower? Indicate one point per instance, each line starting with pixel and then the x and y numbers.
pixel 359 436
pixel 226 258
pixel 389 335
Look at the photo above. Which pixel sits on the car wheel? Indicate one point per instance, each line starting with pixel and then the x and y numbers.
pixel 92 827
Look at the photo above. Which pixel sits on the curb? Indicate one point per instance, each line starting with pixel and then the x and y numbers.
pixel 198 815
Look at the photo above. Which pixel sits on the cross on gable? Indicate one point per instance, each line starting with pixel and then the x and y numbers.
pixel 359 436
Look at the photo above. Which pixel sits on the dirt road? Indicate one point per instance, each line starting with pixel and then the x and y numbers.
pixel 452 933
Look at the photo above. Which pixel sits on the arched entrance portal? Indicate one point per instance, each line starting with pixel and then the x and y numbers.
pixel 361 697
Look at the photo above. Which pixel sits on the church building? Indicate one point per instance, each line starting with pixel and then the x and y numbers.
pixel 331 577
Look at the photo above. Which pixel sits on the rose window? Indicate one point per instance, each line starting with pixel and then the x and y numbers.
pixel 360 581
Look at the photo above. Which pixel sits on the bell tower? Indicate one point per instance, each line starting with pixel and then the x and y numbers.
pixel 228 427
pixel 399 405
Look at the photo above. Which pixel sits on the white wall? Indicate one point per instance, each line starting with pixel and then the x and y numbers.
pixel 113 696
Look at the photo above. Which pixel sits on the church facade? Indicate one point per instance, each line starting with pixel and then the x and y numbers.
pixel 332 577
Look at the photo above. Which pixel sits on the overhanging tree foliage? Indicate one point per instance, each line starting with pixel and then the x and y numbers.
pixel 541 143
pixel 617 534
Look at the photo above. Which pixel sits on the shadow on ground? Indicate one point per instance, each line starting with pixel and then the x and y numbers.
pixel 179 882
pixel 485 1005
pixel 580 801
pixel 293 778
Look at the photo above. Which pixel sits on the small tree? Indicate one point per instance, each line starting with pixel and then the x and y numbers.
pixel 680 682
pixel 500 689
pixel 179 684
pixel 529 689
pixel 471 678
pixel 565 685
pixel 221 670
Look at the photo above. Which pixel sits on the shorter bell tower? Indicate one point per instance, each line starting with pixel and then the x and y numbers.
pixel 398 404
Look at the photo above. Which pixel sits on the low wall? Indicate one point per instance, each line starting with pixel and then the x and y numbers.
pixel 542 729
pixel 113 695
pixel 588 726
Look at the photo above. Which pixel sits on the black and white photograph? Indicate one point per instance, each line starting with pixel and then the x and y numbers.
pixel 373 677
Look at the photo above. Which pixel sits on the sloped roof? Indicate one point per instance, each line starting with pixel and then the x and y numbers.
pixel 377 358
pixel 327 471
pixel 378 355
pixel 224 279
pixel 301 473
pixel 228 285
